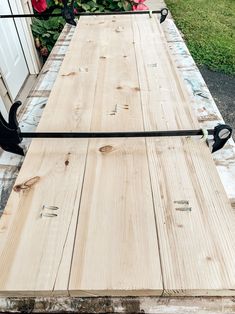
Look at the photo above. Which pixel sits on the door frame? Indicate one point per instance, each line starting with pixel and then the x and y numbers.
pixel 25 35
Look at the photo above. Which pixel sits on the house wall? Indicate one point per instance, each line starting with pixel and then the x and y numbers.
pixel 27 41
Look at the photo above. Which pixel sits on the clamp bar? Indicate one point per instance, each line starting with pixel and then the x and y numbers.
pixel 163 12
pixel 168 133
pixel 11 135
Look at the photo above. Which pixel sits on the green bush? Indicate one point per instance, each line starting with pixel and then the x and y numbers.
pixel 46 32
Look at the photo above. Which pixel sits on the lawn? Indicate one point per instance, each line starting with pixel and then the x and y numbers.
pixel 209 30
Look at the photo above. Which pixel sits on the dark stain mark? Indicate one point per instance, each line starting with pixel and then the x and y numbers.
pixel 208 117
pixel 26 305
pixel 26 185
pixel 119 87
pixel 208 258
pixel 131 307
pixel 39 93
pixel 106 149
pixel 136 89
pixel 43 106
pixel 66 162
pixel 201 94
pixel 103 57
pixel 92 305
pixel 124 56
pixel 180 226
pixel 69 74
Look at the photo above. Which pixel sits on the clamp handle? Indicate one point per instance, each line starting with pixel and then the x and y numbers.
pixel 68 12
pixel 222 134
pixel 10 132
pixel 164 13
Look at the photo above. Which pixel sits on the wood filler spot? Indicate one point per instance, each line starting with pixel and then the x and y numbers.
pixel 184 209
pixel 26 185
pixel 106 149
pixel 185 206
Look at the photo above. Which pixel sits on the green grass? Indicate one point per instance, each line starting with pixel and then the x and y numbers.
pixel 209 30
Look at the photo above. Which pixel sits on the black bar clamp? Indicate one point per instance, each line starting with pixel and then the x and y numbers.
pixel 11 135
pixel 67 12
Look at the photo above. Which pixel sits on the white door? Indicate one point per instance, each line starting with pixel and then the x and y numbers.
pixel 13 66
pixel 3 109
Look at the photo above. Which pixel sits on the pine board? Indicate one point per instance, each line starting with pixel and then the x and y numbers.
pixel 116 233
pixel 122 228
pixel 35 251
pixel 195 222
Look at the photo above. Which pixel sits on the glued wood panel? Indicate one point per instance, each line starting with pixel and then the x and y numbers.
pixel 195 223
pixel 134 216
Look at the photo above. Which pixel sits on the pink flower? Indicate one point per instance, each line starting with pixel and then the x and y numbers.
pixel 140 7
pixel 75 11
pixel 139 1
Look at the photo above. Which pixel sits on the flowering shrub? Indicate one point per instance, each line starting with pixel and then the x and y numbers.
pixel 103 5
pixel 46 32
pixel 139 5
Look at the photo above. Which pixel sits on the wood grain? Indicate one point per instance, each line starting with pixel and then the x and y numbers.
pixel 194 218
pixel 133 216
pixel 116 233
pixel 35 250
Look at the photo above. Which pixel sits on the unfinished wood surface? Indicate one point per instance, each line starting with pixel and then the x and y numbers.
pixel 121 203
pixel 36 250
pixel 195 223
pixel 116 233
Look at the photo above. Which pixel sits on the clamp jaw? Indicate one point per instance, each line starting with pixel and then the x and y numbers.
pixel 68 12
pixel 10 132
pixel 164 13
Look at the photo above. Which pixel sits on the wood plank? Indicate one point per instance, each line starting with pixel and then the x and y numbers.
pixel 36 251
pixel 116 249
pixel 195 222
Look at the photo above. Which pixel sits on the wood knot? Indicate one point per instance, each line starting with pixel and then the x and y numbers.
pixel 106 149
pixel 26 185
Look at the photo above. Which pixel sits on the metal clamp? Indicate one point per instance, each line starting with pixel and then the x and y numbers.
pixel 11 135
